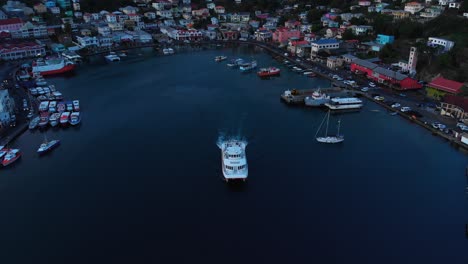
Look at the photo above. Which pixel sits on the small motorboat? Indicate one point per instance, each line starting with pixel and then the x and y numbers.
pixel 54 119
pixel 34 122
pixel 44 119
pixel 267 72
pixel 220 58
pixel 75 118
pixel 64 118
pixel 112 57
pixel 61 107
pixel 44 106
pixel 52 106
pixel 57 95
pixel 11 156
pixel 69 106
pixel 47 146
pixel 76 105
pixel 30 114
pixel 3 152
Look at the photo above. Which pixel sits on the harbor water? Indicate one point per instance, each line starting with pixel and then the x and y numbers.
pixel 140 180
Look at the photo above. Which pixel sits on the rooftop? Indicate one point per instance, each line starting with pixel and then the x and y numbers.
pixel 446 85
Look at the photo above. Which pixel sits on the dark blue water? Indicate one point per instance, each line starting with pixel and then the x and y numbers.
pixel 140 180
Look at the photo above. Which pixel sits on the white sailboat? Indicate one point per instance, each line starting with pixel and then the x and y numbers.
pixel 326 138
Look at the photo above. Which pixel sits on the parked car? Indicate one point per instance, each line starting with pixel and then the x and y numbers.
pixel 379 98
pixel 364 89
pixel 462 126
pixel 405 109
pixel 395 105
pixel 371 84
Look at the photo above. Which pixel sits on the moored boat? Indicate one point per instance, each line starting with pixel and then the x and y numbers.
pixel 318 98
pixel 54 119
pixel 52 106
pixel 75 118
pixel 248 66
pixel 235 62
pixel 76 105
pixel 47 146
pixel 44 106
pixel 52 66
pixel 220 58
pixel 61 107
pixel 270 71
pixel 69 106
pixel 3 152
pixel 11 156
pixel 234 160
pixel 112 57
pixel 44 119
pixel 349 103
pixel 327 138
pixel 64 118
pixel 34 122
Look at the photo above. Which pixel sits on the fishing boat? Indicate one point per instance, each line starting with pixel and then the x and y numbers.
pixel 220 58
pixel 327 138
pixel 318 98
pixel 44 106
pixel 123 53
pixel 47 146
pixel 44 119
pixel 233 160
pixel 112 57
pixel 34 122
pixel 75 118
pixel 54 119
pixel 11 156
pixel 76 105
pixel 52 106
pixel 64 118
pixel 61 107
pixel 168 51
pixel 248 66
pixel 69 106
pixel 267 72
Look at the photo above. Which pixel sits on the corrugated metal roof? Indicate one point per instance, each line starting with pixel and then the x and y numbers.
pixel 364 63
pixel 389 73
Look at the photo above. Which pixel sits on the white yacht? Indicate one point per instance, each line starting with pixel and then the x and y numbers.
pixel 112 57
pixel 350 103
pixel 234 160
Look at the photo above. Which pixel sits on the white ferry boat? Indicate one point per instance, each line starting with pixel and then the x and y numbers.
pixel 112 57
pixel 234 160
pixel 350 103
pixel 71 55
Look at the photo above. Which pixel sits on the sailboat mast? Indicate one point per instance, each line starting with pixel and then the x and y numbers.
pixel 339 123
pixel 328 118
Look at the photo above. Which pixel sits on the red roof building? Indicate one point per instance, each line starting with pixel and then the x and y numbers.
pixel 11 24
pixel 20 50
pixel 445 85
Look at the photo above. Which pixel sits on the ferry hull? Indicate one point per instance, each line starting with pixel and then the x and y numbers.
pixel 65 69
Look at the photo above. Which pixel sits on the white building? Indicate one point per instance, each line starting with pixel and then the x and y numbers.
pixel 454 5
pixel 414 7
pixel 85 42
pixel 104 30
pixel 6 107
pixel 361 30
pixel 323 44
pixel 434 42
pixel 111 18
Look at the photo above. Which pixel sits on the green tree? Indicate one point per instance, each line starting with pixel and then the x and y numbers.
pixel 314 15
pixel 347 35
pixel 67 29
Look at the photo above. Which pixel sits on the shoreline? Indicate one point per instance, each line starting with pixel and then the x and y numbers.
pixel 275 54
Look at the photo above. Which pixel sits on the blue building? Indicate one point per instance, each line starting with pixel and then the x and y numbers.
pixel 50 4
pixel 384 39
pixel 64 4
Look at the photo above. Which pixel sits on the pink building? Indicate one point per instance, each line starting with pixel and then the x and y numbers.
pixel 12 24
pixel 282 35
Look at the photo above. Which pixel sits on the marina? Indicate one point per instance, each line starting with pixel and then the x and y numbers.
pixel 284 168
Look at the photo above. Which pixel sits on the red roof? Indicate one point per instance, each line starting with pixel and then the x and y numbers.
pixel 10 21
pixel 457 100
pixel 446 85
